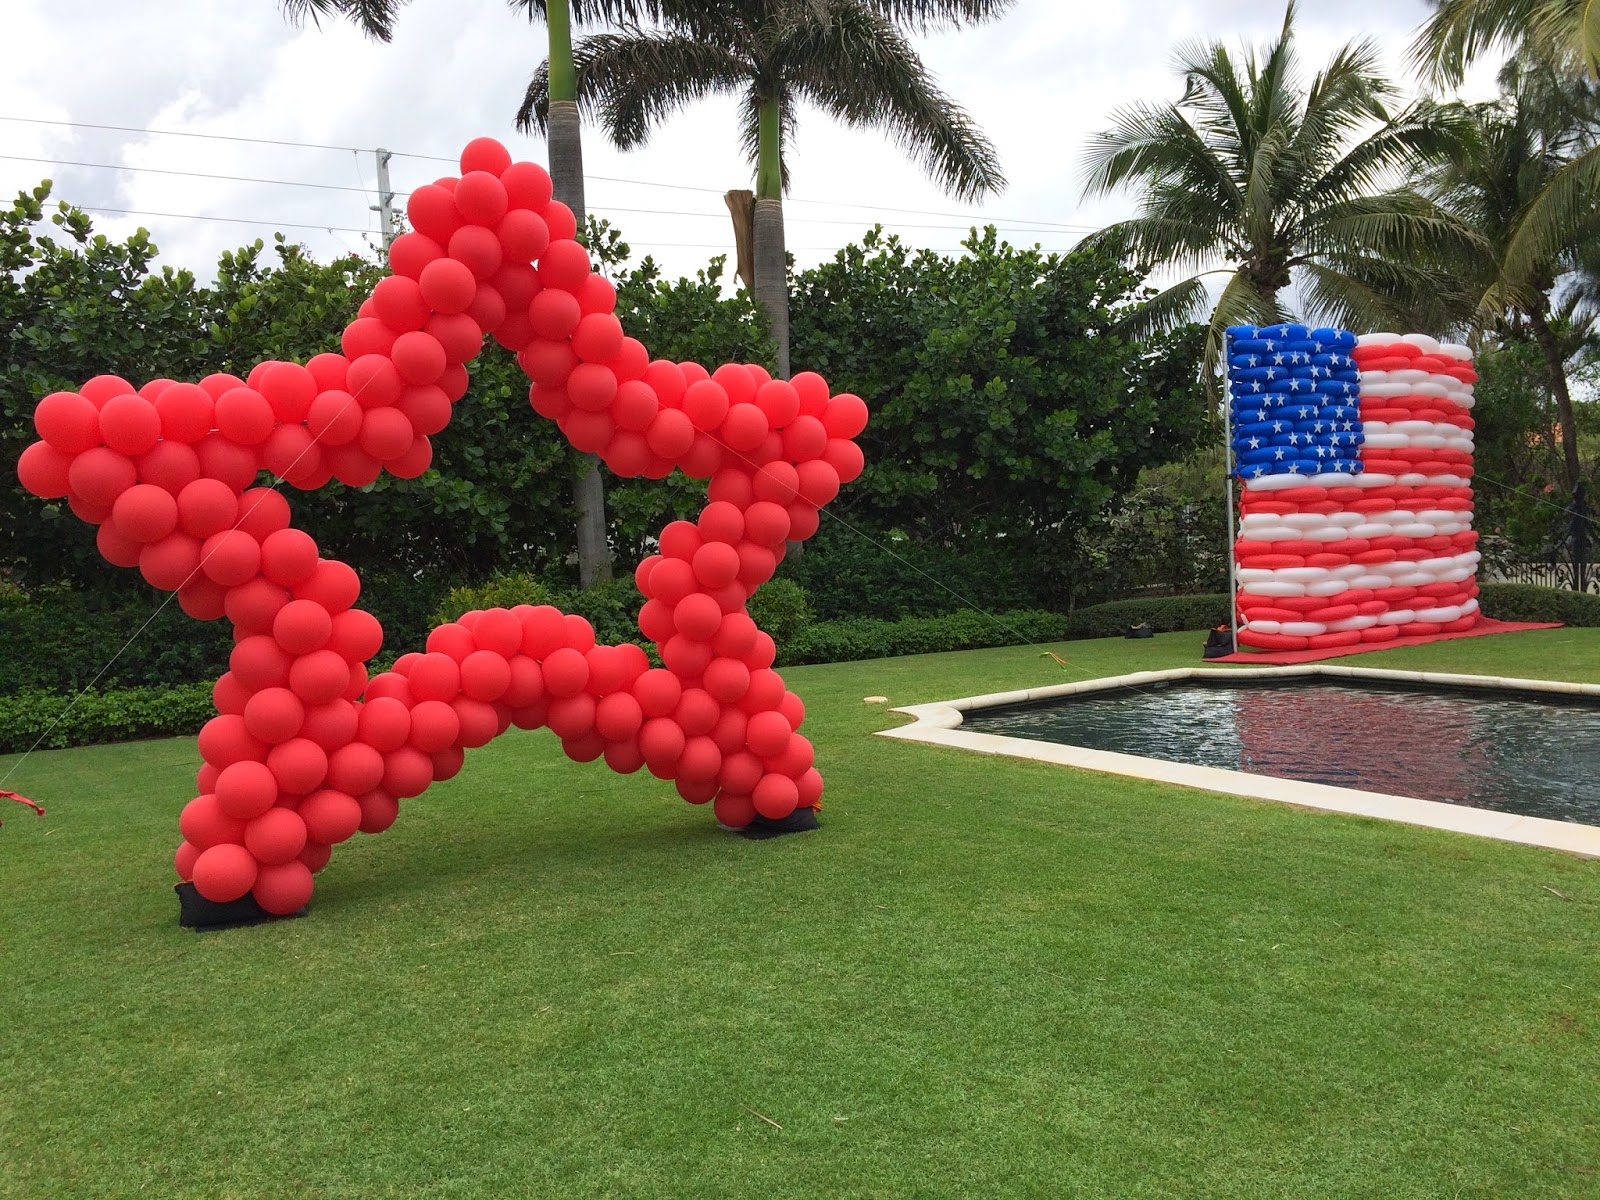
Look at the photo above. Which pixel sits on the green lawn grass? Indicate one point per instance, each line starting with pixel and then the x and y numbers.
pixel 982 977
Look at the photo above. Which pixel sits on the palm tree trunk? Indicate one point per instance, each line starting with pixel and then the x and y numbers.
pixel 771 260
pixel 566 174
pixel 1556 370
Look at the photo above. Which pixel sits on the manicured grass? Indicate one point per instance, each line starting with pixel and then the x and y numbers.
pixel 982 977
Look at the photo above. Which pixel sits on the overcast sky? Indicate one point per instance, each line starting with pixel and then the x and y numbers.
pixel 1040 81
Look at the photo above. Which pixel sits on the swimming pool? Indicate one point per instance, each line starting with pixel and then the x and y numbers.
pixel 1495 753
pixel 1509 752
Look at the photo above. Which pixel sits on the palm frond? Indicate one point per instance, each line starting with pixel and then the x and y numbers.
pixel 857 66
pixel 632 81
pixel 375 18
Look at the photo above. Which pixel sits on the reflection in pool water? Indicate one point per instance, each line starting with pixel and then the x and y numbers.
pixel 1497 750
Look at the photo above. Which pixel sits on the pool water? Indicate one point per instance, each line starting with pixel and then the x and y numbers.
pixel 1512 752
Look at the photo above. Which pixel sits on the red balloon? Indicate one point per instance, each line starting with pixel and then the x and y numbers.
pixel 251 606
pixel 479 250
pixel 845 416
pixel 734 811
pixel 379 809
pixel 699 761
pixel 727 679
pixel 410 254
pixel 276 836
pixel 145 513
pixel 768 734
pixel 384 724
pixel 299 765
pixel 356 635
pixel 592 387
pixel 407 772
pixel 697 616
pixel 572 716
pixel 775 797
pixel 224 873
pixel 129 424
pixel 331 816
pixel 481 198
pixel 766 523
pixel 45 471
pixel 523 235
pixel 527 185
pixel 432 210
pixel 435 676
pixel 661 741
pixel 658 692
pixel 302 626
pixel 419 357
pixel 745 427
pixel 246 789
pixel 204 824
pixel 334 585
pixel 101 475
pixel 243 415
pixel 434 725
pixel 274 715
pixel 485 675
pixel 331 725
pixel 356 768
pixel 259 662
pixel 400 304
pixel 283 888
pixel 334 418
pixel 288 557
pixel 670 434
pixel 319 677
pixel 566 672
pixel 171 562
pixel 230 557
pixel 262 512
pixel 706 404
pixel 68 422
pixel 229 695
pixel 183 861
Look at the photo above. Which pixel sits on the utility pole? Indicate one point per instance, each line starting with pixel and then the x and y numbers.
pixel 385 205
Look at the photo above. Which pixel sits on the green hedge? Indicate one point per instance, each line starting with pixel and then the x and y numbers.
pixel 1529 602
pixel 1164 614
pixel 849 641
pixel 111 716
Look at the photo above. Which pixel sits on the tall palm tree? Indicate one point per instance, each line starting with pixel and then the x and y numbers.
pixel 1493 182
pixel 1258 178
pixel 849 57
pixel 375 18
pixel 564 136
pixel 1459 31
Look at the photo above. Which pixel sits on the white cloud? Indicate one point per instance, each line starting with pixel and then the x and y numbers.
pixel 1040 82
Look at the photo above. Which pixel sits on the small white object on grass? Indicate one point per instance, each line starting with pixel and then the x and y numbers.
pixel 876 700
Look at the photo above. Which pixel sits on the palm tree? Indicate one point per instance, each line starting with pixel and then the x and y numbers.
pixel 1258 177
pixel 1461 30
pixel 375 18
pixel 1493 182
pixel 1560 36
pixel 565 139
pixel 849 57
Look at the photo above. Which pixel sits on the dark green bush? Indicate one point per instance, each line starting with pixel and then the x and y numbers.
pixel 120 715
pixel 1528 602
pixel 780 607
pixel 1164 614
pixel 501 591
pixel 849 641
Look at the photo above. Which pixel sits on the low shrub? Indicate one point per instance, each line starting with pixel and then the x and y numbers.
pixel 1529 602
pixel 118 715
pixel 866 637
pixel 1164 614
pixel 501 591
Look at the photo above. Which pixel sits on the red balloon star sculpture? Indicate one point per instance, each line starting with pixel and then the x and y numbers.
pixel 306 749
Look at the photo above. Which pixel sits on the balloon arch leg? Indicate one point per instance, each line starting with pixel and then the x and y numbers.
pixel 306 749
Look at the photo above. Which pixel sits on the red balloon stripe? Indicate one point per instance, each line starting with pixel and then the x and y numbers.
pixel 306 750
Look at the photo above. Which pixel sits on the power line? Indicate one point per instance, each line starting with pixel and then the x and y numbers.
pixel 1034 224
pixel 134 212
pixel 63 162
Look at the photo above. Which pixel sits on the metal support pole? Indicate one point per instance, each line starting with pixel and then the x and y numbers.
pixel 385 205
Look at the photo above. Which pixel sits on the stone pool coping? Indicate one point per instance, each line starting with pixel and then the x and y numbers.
pixel 939 724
